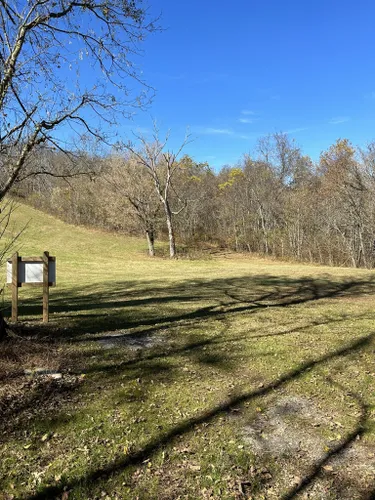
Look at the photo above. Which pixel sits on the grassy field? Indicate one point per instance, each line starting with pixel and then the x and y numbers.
pixel 224 377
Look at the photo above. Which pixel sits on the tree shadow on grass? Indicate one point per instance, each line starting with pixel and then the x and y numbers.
pixel 211 414
pixel 147 307
pixel 39 398
pixel 143 309
pixel 194 349
pixel 317 468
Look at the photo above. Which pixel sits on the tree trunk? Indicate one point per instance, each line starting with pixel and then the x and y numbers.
pixel 363 250
pixel 3 327
pixel 266 249
pixel 150 242
pixel 172 243
pixel 236 238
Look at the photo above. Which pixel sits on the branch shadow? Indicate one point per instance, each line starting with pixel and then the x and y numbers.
pixel 40 398
pixel 193 348
pixel 187 425
pixel 100 311
pixel 356 433
pixel 148 307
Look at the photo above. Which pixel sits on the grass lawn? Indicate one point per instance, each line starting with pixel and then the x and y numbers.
pixel 225 377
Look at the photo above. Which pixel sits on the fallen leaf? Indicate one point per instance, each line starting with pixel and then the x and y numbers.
pixel 195 467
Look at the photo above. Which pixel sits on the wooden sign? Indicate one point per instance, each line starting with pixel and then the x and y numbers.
pixel 33 271
pixel 30 271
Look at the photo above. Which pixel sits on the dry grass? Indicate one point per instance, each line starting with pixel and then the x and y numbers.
pixel 16 354
pixel 228 377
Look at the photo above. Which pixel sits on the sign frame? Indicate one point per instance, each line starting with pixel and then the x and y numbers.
pixel 48 271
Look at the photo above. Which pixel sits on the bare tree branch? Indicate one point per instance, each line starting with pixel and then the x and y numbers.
pixel 43 44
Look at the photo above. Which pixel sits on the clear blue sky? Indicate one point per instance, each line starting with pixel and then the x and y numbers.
pixel 233 71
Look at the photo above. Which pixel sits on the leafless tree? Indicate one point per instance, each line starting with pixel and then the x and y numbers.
pixel 280 152
pixel 8 236
pixel 65 66
pixel 131 190
pixel 162 166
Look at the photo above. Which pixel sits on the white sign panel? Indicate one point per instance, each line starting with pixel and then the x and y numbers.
pixel 32 272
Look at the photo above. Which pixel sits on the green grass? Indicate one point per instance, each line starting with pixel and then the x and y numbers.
pixel 208 349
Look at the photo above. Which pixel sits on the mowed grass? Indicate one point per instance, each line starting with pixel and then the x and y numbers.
pixel 221 377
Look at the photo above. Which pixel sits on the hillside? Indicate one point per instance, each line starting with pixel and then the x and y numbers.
pixel 215 378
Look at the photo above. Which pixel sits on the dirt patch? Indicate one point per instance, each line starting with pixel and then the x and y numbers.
pixel 134 342
pixel 281 429
pixel 294 433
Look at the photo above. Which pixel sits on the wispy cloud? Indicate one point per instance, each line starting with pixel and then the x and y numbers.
pixel 339 119
pixel 247 112
pixel 296 130
pixel 221 132
pixel 215 131
pixel 246 120
pixel 370 95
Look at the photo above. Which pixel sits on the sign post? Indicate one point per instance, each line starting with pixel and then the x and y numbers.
pixel 33 271
pixel 15 287
pixel 45 287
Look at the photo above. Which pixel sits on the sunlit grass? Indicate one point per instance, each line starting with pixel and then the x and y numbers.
pixel 206 348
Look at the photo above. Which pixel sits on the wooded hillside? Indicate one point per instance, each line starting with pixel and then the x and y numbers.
pixel 275 202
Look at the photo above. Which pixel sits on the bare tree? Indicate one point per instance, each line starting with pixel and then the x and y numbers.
pixel 280 152
pixel 8 236
pixel 132 186
pixel 65 66
pixel 161 166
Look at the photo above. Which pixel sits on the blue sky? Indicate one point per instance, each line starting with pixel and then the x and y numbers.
pixel 231 72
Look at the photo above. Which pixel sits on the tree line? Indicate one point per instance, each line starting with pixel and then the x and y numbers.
pixel 275 202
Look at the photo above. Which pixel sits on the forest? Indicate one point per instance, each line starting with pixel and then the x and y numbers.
pixel 275 201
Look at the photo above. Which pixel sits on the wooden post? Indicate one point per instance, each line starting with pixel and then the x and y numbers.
pixel 45 287
pixel 15 287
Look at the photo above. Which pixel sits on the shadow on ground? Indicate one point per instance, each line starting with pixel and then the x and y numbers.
pixel 142 311
pixel 185 426
pixel 146 307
